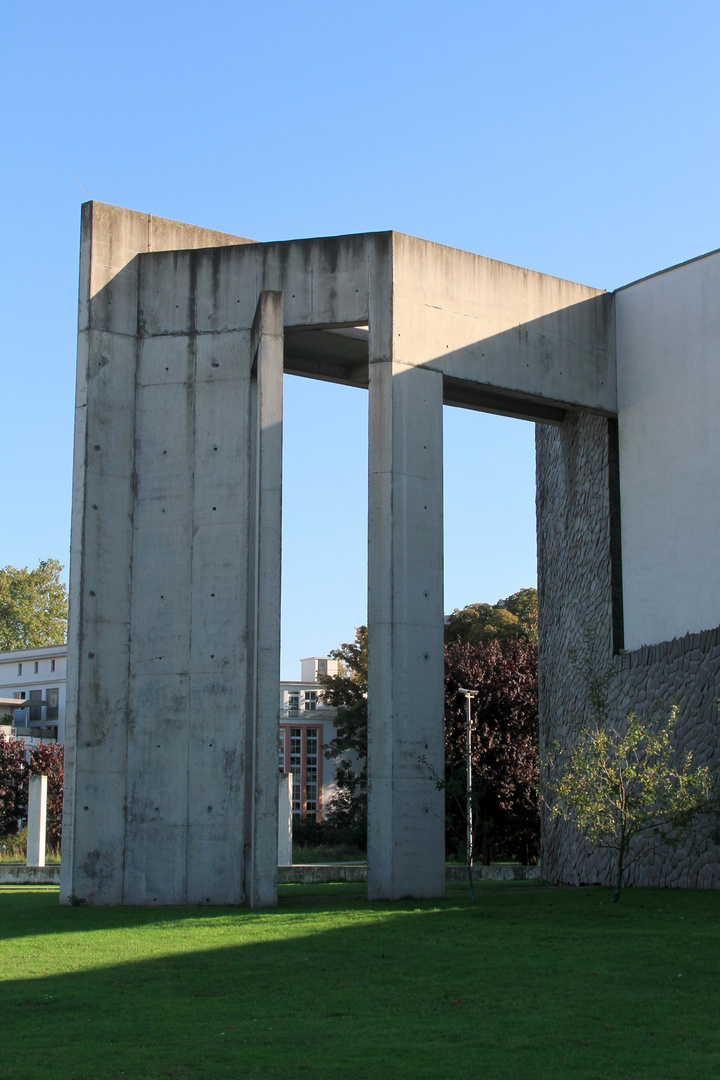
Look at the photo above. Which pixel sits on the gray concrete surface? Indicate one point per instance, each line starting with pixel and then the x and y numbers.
pixel 175 562
pixel 37 820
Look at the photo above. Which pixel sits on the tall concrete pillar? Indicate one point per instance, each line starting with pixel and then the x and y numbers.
pixel 406 832
pixel 261 815
pixel 37 820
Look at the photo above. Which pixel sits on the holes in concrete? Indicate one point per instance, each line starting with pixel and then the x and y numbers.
pixel 92 592
pixel 97 446
pixel 91 656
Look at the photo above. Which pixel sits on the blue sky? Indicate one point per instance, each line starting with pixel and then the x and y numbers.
pixel 576 139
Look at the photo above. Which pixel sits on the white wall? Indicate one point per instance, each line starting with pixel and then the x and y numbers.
pixel 668 364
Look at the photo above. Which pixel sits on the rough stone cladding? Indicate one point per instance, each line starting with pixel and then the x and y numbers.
pixel 575 612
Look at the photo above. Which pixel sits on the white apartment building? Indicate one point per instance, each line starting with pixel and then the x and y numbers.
pixel 32 693
pixel 32 706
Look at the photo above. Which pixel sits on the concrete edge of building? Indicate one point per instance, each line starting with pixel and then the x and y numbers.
pixel 307 874
pixel 20 874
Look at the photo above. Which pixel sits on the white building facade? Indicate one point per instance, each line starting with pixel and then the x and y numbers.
pixel 306 726
pixel 35 679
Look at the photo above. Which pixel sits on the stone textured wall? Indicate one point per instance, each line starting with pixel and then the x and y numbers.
pixel 575 611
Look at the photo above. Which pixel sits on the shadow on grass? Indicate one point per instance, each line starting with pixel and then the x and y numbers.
pixel 533 985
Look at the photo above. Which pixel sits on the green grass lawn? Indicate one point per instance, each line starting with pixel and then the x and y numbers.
pixel 526 984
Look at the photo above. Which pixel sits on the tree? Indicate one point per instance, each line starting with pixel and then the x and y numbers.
pixel 13 784
pixel 504 714
pixel 33 606
pixel 513 619
pixel 347 692
pixel 625 789
pixel 49 759
pixel 505 755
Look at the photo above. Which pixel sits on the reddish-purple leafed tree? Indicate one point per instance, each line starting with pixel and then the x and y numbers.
pixel 13 784
pixel 504 747
pixel 49 758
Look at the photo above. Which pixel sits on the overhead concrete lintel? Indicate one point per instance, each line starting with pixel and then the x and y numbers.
pixel 473 319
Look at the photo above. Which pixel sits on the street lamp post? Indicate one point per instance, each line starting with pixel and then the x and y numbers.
pixel 469 695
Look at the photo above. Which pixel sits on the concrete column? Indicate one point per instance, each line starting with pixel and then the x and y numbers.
pixel 285 854
pixel 406 846
pixel 37 815
pixel 264 600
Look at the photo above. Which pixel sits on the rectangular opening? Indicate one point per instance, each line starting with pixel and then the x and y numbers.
pixel 489 506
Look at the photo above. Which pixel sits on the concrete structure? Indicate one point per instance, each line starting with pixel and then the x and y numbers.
pixel 37 820
pixel 628 520
pixel 183 338
pixel 285 816
pixel 35 712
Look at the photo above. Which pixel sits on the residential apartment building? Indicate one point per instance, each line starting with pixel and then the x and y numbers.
pixel 35 679
pixel 306 725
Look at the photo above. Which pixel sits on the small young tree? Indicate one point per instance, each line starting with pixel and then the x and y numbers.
pixel 625 789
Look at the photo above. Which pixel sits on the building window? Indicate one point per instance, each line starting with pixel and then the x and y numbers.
pixel 311 770
pixel 300 755
pixel 294 702
pixel 281 750
pixel 296 768
pixel 19 669
pixel 53 697
pixel 35 667
pixel 322 667
pixel 52 665
pixel 35 711
pixel 311 700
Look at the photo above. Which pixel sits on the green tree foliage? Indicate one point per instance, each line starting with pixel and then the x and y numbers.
pixel 33 606
pixel 347 692
pixel 13 784
pixel 49 759
pixel 512 619
pixel 624 789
